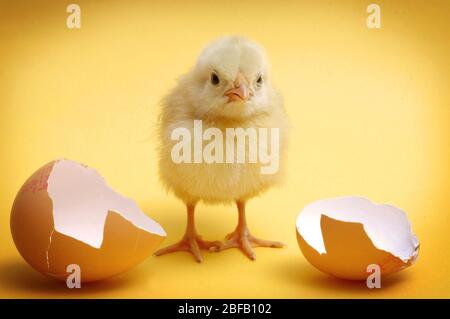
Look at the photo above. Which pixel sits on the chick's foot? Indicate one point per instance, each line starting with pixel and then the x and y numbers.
pixel 192 244
pixel 242 239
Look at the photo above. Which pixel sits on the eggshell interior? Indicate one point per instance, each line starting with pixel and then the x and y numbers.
pixel 103 242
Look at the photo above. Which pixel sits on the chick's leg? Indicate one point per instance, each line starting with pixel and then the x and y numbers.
pixel 241 237
pixel 191 241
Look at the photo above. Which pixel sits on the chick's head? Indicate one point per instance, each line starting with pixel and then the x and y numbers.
pixel 231 80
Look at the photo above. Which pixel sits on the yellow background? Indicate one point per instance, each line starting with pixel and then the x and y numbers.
pixel 369 110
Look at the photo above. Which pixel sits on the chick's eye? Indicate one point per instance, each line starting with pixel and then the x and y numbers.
pixel 259 80
pixel 215 79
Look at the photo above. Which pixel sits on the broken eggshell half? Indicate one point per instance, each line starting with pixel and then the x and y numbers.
pixel 66 214
pixel 343 236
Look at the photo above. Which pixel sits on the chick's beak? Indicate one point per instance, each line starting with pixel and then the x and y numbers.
pixel 240 91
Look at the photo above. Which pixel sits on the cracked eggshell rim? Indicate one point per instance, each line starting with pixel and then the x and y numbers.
pixel 342 236
pixel 127 238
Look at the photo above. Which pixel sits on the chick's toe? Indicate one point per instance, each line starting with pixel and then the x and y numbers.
pixel 192 244
pixel 243 240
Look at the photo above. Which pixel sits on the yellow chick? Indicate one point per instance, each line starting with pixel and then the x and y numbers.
pixel 228 88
